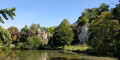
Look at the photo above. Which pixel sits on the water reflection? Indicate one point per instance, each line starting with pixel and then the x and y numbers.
pixel 45 55
pixel 69 59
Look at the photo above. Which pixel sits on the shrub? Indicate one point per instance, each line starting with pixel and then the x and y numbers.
pixel 33 42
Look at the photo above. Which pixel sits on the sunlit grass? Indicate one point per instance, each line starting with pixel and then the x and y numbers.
pixel 82 47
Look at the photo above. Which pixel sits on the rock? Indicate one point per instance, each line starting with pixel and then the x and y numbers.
pixel 43 35
pixel 83 35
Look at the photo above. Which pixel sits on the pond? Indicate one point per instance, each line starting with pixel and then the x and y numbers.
pixel 46 55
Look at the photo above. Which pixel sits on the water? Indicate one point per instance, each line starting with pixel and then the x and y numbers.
pixel 46 55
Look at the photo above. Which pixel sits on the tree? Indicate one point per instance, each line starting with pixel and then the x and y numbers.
pixel 5 37
pixel 13 29
pixel 38 26
pixel 7 12
pixel 34 28
pixel 43 29
pixel 72 26
pixel 33 42
pixel 63 34
pixel 104 7
pixel 50 30
pixel 14 37
pixel 92 14
pixel 103 32
pixel 25 29
pixel 116 12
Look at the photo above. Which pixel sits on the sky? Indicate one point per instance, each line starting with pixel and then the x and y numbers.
pixel 48 13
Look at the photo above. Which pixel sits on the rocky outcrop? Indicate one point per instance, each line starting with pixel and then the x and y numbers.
pixel 43 35
pixel 83 35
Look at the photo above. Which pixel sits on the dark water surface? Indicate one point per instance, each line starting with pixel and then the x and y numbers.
pixel 46 55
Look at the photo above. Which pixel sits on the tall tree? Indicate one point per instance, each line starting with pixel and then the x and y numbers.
pixel 104 7
pixel 43 29
pixel 103 32
pixel 63 34
pixel 7 12
pixel 13 29
pixel 50 30
pixel 25 29
pixel 38 26
pixel 34 28
pixel 116 12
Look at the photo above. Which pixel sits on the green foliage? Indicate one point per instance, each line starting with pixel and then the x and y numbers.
pixel 78 49
pixel 38 26
pixel 13 29
pixel 43 29
pixel 103 31
pixel 91 14
pixel 25 29
pixel 82 47
pixel 34 28
pixel 104 7
pixel 76 32
pixel 7 12
pixel 19 43
pixel 116 12
pixel 50 30
pixel 63 34
pixel 72 26
pixel 34 42
pixel 5 38
pixel 29 43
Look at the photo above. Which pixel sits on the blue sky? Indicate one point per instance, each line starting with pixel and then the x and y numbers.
pixel 48 12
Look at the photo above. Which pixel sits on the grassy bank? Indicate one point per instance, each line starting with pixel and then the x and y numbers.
pixel 81 47
pixel 78 49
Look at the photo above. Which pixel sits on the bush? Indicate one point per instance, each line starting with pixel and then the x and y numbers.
pixel 33 42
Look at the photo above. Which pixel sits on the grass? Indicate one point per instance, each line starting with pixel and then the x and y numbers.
pixel 82 47
pixel 78 49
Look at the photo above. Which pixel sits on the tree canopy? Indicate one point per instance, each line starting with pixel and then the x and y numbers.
pixel 63 34
pixel 13 29
pixel 34 28
pixel 103 31
pixel 25 29
pixel 7 12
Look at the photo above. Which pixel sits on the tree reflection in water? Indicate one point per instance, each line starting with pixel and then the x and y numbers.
pixel 69 59
pixel 45 55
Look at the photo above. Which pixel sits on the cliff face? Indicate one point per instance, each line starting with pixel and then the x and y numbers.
pixel 43 35
pixel 83 35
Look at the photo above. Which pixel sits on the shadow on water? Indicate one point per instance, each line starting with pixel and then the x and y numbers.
pixel 60 58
